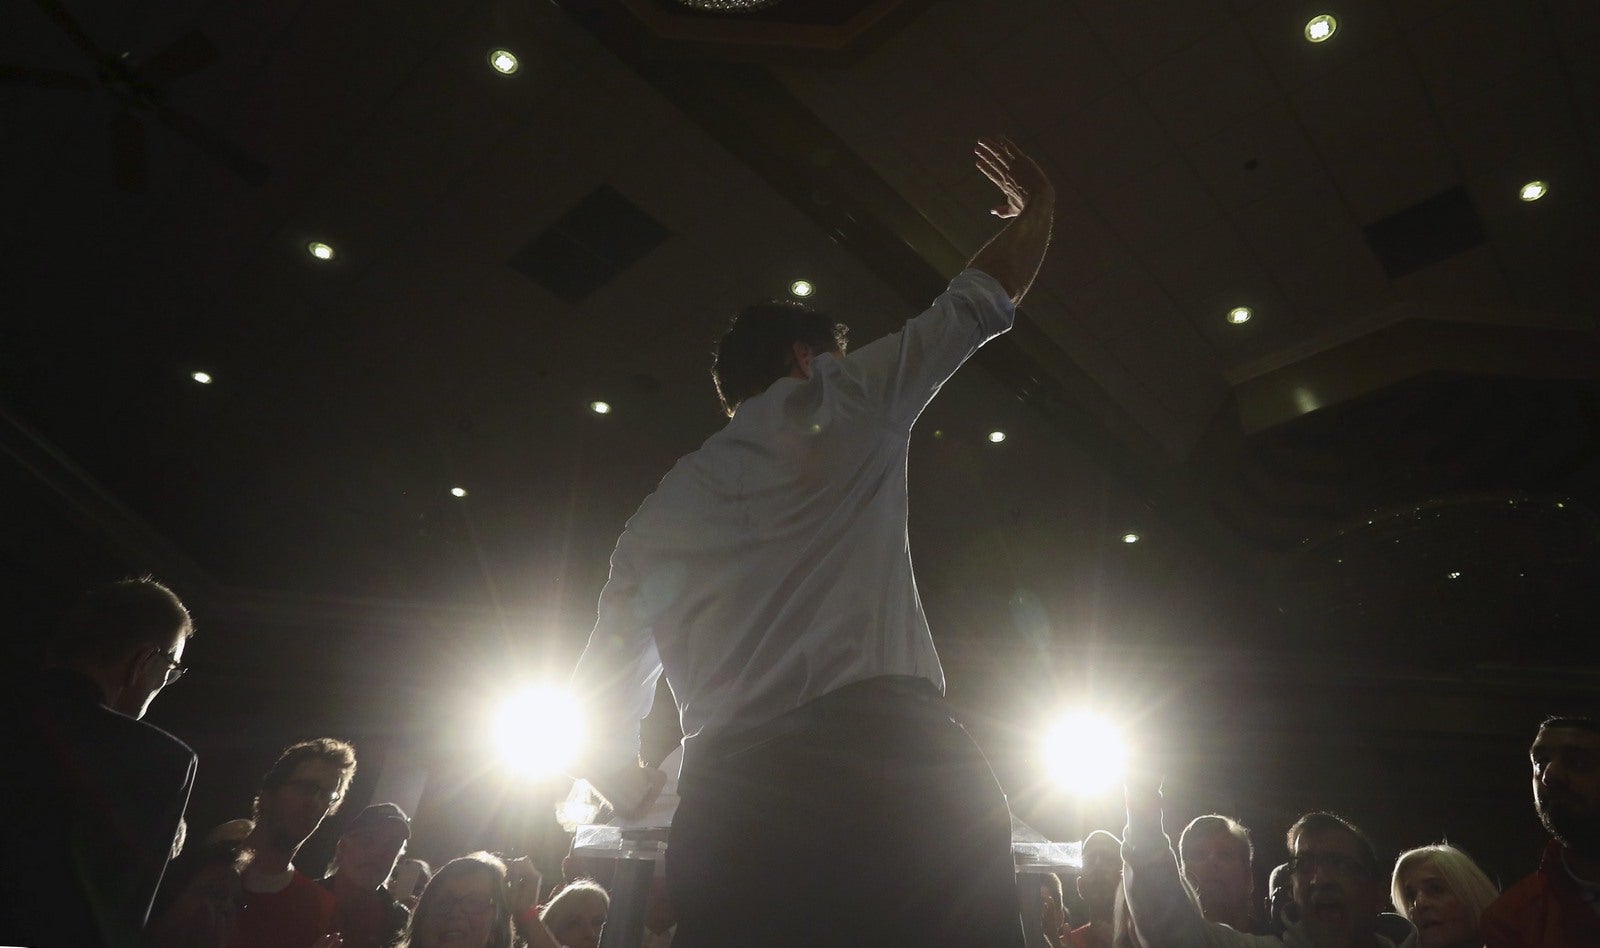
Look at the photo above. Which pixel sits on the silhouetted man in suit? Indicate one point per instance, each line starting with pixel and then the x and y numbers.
pixel 93 796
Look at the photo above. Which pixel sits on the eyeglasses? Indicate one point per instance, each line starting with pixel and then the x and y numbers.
pixel 469 906
pixel 175 669
pixel 314 790
pixel 1307 864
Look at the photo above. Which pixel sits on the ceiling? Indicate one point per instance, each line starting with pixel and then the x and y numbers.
pixel 1386 482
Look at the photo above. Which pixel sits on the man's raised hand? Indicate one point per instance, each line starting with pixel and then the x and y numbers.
pixel 1017 176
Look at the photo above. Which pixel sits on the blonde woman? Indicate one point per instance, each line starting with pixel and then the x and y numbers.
pixel 1443 892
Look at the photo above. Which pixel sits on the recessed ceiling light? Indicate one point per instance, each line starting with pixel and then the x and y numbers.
pixel 504 61
pixel 1130 538
pixel 1320 28
pixel 1533 191
pixel 802 288
pixel 458 492
pixel 204 378
pixel 997 436
pixel 320 250
pixel 1240 314
pixel 1454 575
pixel 600 408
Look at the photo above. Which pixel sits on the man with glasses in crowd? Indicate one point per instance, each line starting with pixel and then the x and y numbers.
pixel 94 797
pixel 1338 886
pixel 283 907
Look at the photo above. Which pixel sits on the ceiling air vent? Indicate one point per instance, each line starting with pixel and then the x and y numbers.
pixel 589 245
pixel 1425 233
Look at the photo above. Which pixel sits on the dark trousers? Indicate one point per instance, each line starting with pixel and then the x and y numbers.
pixel 868 817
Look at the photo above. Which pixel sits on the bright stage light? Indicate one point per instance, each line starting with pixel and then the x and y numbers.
pixel 539 731
pixel 320 250
pixel 802 288
pixel 1085 753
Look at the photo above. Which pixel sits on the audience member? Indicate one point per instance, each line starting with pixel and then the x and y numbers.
pixel 577 914
pixel 1043 916
pixel 1097 887
pixel 366 913
pixel 464 906
pixel 1336 884
pixel 411 876
pixel 203 893
pixel 1122 931
pixel 1280 908
pixel 1443 892
pixel 523 885
pixel 283 907
pixel 95 800
pixel 1560 903
pixel 1218 861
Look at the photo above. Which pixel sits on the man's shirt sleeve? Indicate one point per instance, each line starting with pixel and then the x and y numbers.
pixel 900 373
pixel 615 680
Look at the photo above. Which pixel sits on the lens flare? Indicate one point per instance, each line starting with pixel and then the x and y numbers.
pixel 538 731
pixel 1085 753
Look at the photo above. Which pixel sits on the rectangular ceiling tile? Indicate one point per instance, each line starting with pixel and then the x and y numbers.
pixel 1478 44
pixel 1108 142
pixel 1260 154
pixel 1235 84
pixel 1362 101
pixel 1148 210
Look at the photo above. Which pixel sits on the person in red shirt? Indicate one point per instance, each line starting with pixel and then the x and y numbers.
pixel 366 913
pixel 283 907
pixel 1560 904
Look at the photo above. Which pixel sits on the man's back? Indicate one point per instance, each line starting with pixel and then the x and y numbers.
pixel 771 566
pixel 770 577
pixel 93 802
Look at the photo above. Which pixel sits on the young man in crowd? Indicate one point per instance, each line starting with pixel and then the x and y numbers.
pixel 283 907
pixel 1560 903
pixel 94 797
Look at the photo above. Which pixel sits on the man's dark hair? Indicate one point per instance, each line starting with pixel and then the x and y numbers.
pixel 757 349
pixel 331 749
pixel 1213 823
pixel 108 621
pixel 1320 822
pixel 1577 723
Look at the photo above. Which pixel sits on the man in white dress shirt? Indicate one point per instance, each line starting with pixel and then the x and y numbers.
pixel 828 798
